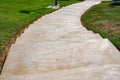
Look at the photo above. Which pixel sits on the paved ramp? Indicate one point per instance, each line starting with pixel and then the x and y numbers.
pixel 58 47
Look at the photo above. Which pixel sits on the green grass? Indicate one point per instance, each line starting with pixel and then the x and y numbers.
pixel 104 19
pixel 15 14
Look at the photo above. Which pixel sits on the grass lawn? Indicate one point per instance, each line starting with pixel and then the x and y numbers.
pixel 16 14
pixel 105 20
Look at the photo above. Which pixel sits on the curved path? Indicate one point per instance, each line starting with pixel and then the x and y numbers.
pixel 58 47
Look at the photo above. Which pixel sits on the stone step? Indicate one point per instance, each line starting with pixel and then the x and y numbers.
pixel 70 36
pixel 48 56
pixel 105 72
pixel 39 29
pixel 58 20
pixel 54 20
pixel 54 27
pixel 56 31
pixel 68 11
pixel 61 16
pixel 85 5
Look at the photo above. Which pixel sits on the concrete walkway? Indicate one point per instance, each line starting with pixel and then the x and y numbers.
pixel 58 47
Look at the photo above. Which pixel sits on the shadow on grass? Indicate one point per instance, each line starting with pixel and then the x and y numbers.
pixel 25 11
pixel 39 10
pixel 114 4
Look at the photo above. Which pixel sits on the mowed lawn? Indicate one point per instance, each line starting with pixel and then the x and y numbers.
pixel 104 19
pixel 16 14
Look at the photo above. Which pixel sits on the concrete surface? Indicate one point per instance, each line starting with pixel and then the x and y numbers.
pixel 58 47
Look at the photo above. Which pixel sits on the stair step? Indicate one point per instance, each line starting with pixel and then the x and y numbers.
pixel 52 20
pixel 56 28
pixel 106 72
pixel 35 38
pixel 67 32
pixel 41 57
pixel 69 11
pixel 61 16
